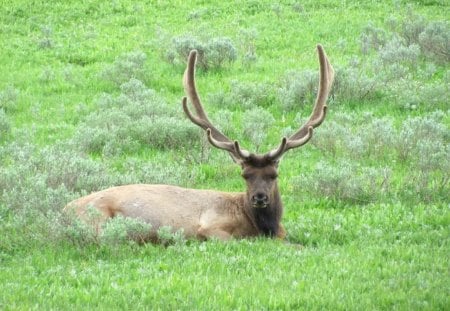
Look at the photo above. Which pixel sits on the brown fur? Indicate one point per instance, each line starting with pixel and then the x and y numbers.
pixel 199 213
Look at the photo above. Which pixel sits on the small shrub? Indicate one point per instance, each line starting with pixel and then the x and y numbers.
pixel 354 84
pixel 135 117
pixel 378 137
pixel 428 176
pixel 331 138
pixel 244 96
pixel 435 41
pixel 46 42
pixel 247 43
pixel 213 54
pixel 5 125
pixel 372 38
pixel 125 67
pixel 163 132
pixel 181 48
pixel 412 95
pixel 42 179
pixel 345 181
pixel 197 13
pixel 412 26
pixel 219 52
pixel 416 130
pixel 61 166
pixel 9 98
pixel 395 51
pixel 167 236
pixel 158 171
pixel 256 123
pixel 298 89
pixel 120 230
pixel 398 63
pixel 79 232
pixel 47 75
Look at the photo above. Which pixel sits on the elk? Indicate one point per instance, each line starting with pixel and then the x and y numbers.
pixel 202 214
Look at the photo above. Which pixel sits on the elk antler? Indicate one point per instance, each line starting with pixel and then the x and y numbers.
pixel 304 134
pixel 219 140
pixel 215 137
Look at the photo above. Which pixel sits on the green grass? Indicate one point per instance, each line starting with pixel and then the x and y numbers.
pixel 386 251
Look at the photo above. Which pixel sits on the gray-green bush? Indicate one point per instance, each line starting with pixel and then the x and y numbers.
pixel 298 89
pixel 345 181
pixel 420 143
pixel 435 41
pixel 256 123
pixel 9 98
pixel 125 67
pixel 213 54
pixel 136 117
pixel 5 125
pixel 401 59
pixel 244 95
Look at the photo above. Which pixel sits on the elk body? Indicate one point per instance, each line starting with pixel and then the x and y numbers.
pixel 207 213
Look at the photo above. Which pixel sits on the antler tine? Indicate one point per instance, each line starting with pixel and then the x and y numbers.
pixel 215 137
pixel 304 134
pixel 243 154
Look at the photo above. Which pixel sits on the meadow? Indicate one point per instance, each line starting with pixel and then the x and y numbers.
pixel 90 97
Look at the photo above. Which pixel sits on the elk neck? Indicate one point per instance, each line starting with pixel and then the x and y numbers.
pixel 266 220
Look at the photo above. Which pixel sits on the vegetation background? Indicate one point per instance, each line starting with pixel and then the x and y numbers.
pixel 90 97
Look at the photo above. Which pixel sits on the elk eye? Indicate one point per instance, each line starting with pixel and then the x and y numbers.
pixel 246 176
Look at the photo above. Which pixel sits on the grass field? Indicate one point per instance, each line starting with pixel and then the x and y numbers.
pixel 90 96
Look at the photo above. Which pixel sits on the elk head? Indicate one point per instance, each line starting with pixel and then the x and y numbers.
pixel 258 170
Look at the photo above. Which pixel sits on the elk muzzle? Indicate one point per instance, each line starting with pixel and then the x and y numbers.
pixel 260 200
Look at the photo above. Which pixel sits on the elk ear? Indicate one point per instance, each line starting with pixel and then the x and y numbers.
pixel 238 161
pixel 235 159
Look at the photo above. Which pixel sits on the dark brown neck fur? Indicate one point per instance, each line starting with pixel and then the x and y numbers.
pixel 267 220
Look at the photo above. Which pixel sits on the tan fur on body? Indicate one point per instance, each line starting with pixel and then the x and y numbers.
pixel 199 213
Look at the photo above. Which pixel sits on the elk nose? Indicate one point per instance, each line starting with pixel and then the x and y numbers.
pixel 260 198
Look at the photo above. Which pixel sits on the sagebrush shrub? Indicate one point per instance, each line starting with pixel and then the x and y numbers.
pixel 160 170
pixel 213 54
pixel 355 84
pixel 46 41
pixel 420 146
pixel 298 89
pixel 9 98
pixel 332 137
pixel 435 41
pixel 256 123
pixel 167 236
pixel 399 61
pixel 125 67
pixel 243 95
pixel 412 26
pixel 415 131
pixel 182 46
pixel 345 181
pixel 372 38
pixel 136 117
pixel 247 42
pixel 119 230
pixel 35 177
pixel 378 137
pixel 5 125
pixel 219 52
pixel 414 94
pixel 396 51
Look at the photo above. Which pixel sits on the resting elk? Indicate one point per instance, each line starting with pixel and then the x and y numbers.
pixel 203 214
